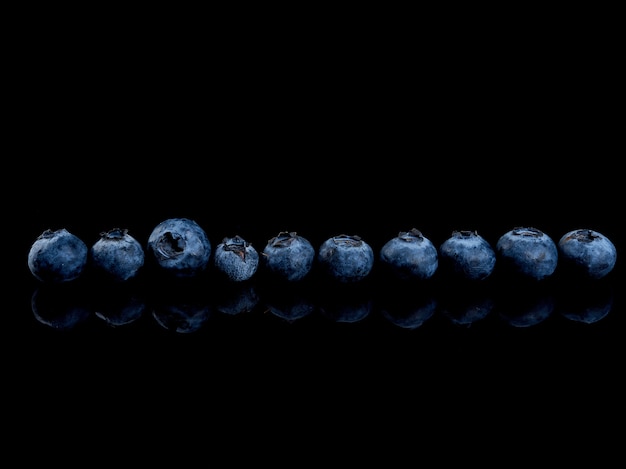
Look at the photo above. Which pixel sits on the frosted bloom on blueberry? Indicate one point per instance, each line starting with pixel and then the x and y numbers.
pixel 527 252
pixel 180 246
pixel 237 259
pixel 346 258
pixel 410 255
pixel 467 255
pixel 288 256
pixel 587 253
pixel 57 256
pixel 117 254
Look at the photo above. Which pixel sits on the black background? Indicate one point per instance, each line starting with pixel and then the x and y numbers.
pixel 266 141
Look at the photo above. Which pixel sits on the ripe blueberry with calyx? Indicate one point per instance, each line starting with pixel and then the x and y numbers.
pixel 236 259
pixel 117 255
pixel 58 256
pixel 410 255
pixel 587 253
pixel 345 258
pixel 467 255
pixel 288 256
pixel 180 247
pixel 527 253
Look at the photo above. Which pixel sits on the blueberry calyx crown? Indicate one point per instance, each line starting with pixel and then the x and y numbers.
pixel 170 245
pixel 49 233
pixel 283 239
pixel 584 236
pixel 348 240
pixel 464 234
pixel 530 232
pixel 237 245
pixel 413 235
pixel 115 233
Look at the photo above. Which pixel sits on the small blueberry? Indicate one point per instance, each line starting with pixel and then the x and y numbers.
pixel 288 256
pixel 410 255
pixel 57 256
pixel 117 255
pixel 180 246
pixel 528 253
pixel 236 259
pixel 346 258
pixel 587 253
pixel 467 255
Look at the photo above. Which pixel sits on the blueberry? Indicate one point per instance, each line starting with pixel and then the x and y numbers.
pixel 528 253
pixel 288 256
pixel 180 247
pixel 57 256
pixel 117 255
pixel 587 253
pixel 467 255
pixel 346 258
pixel 236 259
pixel 410 255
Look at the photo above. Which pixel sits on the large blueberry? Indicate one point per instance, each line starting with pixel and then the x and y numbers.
pixel 410 255
pixel 587 253
pixel 288 256
pixel 528 253
pixel 467 255
pixel 346 258
pixel 180 247
pixel 236 259
pixel 117 255
pixel 57 256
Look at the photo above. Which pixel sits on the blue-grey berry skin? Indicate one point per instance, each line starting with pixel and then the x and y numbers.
pixel 180 247
pixel 467 255
pixel 587 253
pixel 236 259
pixel 58 256
pixel 345 258
pixel 410 255
pixel 528 253
pixel 288 256
pixel 117 255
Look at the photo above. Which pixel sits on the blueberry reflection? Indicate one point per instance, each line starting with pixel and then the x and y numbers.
pixel 288 300
pixel 61 307
pixel 525 304
pixel 585 301
pixel 346 303
pixel 182 305
pixel 118 305
pixel 465 303
pixel 407 305
pixel 236 297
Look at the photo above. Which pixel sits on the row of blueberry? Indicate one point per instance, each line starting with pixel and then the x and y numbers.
pixel 180 247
